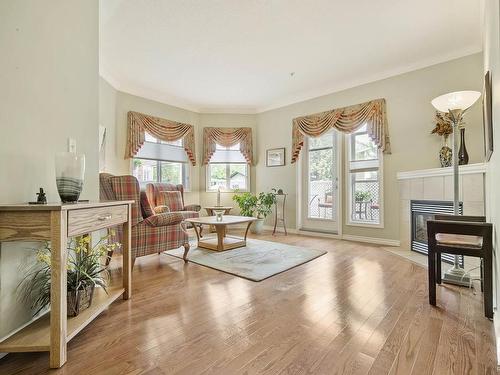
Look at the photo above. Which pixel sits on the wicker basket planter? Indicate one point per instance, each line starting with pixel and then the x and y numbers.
pixel 79 300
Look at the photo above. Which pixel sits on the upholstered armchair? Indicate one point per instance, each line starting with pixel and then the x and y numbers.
pixel 165 197
pixel 151 233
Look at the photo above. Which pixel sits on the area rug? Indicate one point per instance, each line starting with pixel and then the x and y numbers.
pixel 257 261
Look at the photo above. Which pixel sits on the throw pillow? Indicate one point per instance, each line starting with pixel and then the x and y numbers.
pixel 171 199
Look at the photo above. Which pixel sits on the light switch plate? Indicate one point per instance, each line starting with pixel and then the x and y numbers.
pixel 71 145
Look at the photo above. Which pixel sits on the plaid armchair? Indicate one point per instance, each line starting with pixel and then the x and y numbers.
pixel 151 233
pixel 170 198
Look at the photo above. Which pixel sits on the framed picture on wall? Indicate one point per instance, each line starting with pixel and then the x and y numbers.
pixel 275 157
pixel 487 117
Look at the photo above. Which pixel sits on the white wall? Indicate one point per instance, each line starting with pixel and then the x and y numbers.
pixel 107 119
pixel 49 92
pixel 491 47
pixel 410 117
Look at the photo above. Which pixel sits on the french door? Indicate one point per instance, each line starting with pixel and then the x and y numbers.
pixel 319 197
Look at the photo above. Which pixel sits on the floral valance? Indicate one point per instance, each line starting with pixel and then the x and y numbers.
pixel 227 137
pixel 165 130
pixel 346 120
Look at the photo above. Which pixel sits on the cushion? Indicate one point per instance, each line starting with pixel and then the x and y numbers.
pixel 459 240
pixel 171 199
pixel 169 218
pixel 161 209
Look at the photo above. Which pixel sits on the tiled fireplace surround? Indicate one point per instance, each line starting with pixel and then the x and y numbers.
pixel 437 184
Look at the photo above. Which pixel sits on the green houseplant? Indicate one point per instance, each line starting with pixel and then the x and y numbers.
pixel 362 196
pixel 260 206
pixel 85 270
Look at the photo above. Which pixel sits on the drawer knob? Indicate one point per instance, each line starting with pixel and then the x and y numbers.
pixel 104 217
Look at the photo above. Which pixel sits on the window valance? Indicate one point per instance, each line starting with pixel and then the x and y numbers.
pixel 227 137
pixel 346 120
pixel 165 130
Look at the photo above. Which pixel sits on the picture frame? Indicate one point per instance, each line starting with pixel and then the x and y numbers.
pixel 487 117
pixel 275 157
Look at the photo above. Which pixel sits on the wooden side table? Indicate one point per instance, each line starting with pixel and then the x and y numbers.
pixel 279 212
pixel 56 223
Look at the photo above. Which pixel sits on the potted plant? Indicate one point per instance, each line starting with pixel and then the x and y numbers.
pixel 362 196
pixel 85 270
pixel 259 206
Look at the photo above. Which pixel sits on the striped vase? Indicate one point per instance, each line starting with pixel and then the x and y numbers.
pixel 70 169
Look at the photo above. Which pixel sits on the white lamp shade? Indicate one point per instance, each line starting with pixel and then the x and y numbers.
pixel 455 100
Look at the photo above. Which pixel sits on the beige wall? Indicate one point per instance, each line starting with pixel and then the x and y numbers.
pixel 491 47
pixel 410 116
pixel 49 80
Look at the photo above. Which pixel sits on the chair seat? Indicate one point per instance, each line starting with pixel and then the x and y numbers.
pixel 459 240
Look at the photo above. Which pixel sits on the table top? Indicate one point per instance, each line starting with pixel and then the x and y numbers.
pixel 58 206
pixel 226 220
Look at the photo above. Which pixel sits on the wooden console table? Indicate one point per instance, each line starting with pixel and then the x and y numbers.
pixel 56 223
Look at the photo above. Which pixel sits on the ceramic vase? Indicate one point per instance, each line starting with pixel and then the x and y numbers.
pixel 70 169
pixel 463 156
pixel 445 154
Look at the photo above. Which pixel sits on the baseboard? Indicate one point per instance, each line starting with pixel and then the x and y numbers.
pixel 280 229
pixel 372 240
pixel 496 326
pixel 347 237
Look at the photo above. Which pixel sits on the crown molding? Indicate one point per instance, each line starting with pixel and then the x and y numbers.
pixel 348 84
pixel 126 86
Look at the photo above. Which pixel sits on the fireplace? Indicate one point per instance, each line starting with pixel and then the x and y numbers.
pixel 421 211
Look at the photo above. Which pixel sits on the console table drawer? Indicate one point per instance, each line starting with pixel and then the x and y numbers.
pixel 89 220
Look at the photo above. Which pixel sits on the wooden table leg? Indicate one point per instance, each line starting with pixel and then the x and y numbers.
pixel 183 225
pixel 127 257
pixel 221 233
pixel 246 231
pixel 58 288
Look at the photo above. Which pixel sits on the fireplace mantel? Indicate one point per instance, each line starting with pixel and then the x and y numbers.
pixel 448 171
pixel 436 184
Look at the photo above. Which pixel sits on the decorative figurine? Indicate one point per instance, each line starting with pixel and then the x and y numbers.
pixel 41 198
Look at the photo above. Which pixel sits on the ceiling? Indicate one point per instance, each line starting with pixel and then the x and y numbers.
pixel 249 56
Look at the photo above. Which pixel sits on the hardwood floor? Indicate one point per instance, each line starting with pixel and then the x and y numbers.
pixel 356 310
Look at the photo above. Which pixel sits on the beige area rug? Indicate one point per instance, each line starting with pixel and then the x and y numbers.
pixel 256 261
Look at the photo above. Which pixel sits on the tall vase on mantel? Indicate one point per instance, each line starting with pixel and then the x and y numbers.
pixel 463 156
pixel 445 154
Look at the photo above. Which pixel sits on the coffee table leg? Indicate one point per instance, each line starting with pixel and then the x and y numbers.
pixel 186 245
pixel 221 233
pixel 246 232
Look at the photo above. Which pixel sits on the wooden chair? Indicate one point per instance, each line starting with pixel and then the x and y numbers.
pixel 461 235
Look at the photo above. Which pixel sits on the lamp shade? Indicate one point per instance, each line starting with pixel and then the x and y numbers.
pixel 455 100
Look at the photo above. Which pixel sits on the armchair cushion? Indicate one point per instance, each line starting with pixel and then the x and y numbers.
pixel 171 199
pixel 192 207
pixel 161 209
pixel 168 218
pixel 459 240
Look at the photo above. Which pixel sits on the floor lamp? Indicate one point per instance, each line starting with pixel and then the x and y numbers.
pixel 456 103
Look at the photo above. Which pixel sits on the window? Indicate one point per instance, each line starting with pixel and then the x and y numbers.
pixel 363 179
pixel 159 161
pixel 227 170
